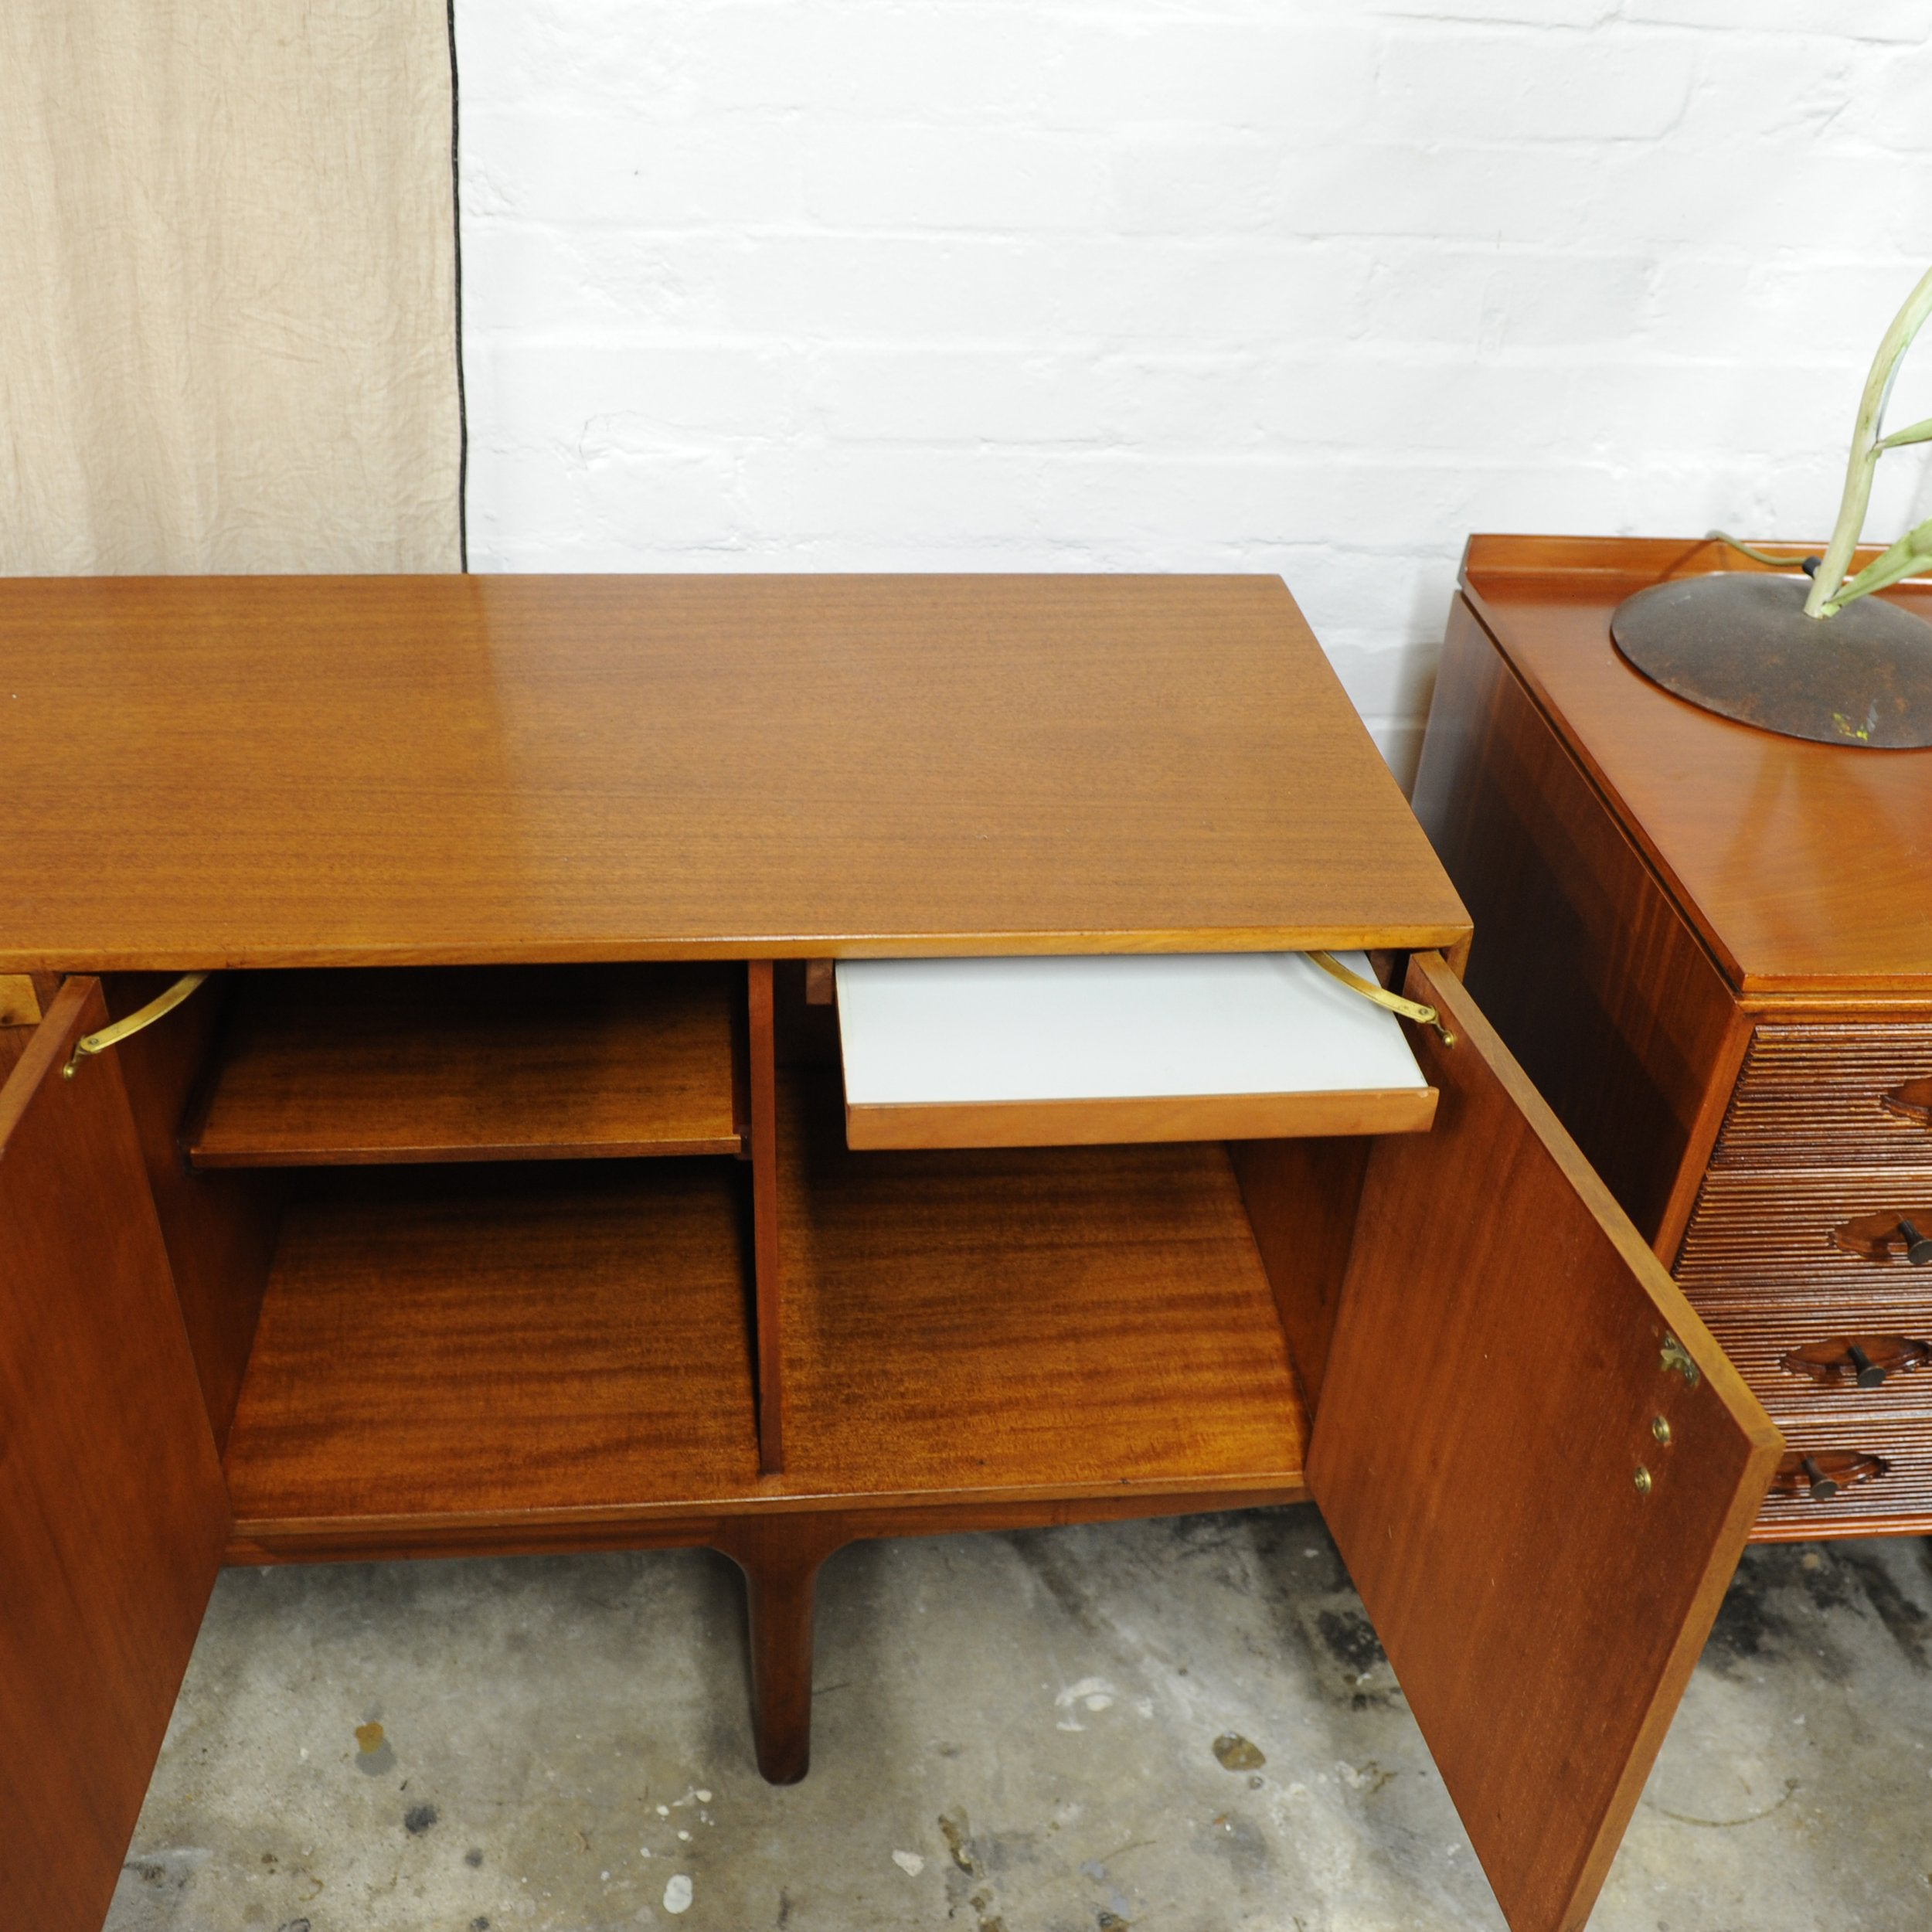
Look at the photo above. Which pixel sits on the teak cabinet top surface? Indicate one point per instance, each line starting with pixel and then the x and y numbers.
pixel 1805 869
pixel 259 772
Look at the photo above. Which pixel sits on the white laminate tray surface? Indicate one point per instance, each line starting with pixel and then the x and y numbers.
pixel 955 1031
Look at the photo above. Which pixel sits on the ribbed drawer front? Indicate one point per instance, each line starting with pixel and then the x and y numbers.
pixel 1753 1236
pixel 1758 1337
pixel 1900 1501
pixel 1760 1266
pixel 1813 1097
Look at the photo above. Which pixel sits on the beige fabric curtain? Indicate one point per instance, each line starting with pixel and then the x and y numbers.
pixel 227 286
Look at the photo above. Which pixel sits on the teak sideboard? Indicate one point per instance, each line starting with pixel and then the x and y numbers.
pixel 494 1193
pixel 1711 947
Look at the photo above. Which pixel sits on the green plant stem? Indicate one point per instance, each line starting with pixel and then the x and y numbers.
pixel 1909 557
pixel 1753 552
pixel 1823 600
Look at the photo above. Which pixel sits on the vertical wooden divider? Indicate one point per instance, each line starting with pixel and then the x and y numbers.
pixel 764 1217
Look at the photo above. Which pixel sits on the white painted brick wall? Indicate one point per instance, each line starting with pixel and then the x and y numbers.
pixel 1315 286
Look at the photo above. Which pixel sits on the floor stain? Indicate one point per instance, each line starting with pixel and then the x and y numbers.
pixel 175 1869
pixel 1746 1626
pixel 1351 1639
pixel 1060 1578
pixel 374 1753
pixel 979 1895
pixel 1909 1624
pixel 1730 1824
pixel 1241 1842
pixel 1785 1596
pixel 1350 1663
pixel 418 1819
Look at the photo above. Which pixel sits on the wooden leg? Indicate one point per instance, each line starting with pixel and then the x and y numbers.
pixel 780 1560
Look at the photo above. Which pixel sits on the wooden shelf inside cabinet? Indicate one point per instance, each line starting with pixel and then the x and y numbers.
pixel 443 1356
pixel 499 1344
pixel 481 1063
pixel 1071 1319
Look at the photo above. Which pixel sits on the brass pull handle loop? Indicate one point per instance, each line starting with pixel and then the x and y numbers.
pixel 158 1008
pixel 1393 1002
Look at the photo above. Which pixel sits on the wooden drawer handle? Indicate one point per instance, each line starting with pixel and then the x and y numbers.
pixel 1821 1477
pixel 1877 1237
pixel 1864 1361
pixel 1911 1101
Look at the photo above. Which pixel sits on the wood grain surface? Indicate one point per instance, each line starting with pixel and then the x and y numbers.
pixel 1302 1198
pixel 112 1513
pixel 1051 1318
pixel 254 771
pixel 220 1228
pixel 767 1250
pixel 19 1000
pixel 500 1343
pixel 1787 1237
pixel 1804 868
pixel 1829 1094
pixel 1599 986
pixel 565 1063
pixel 1496 1373
pixel 537 1357
pixel 14 1042
pixel 780 1555
pixel 1897 1503
pixel 1893 1327
pixel 1089 1122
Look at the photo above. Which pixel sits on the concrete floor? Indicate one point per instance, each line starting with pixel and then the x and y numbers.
pixel 1015 1733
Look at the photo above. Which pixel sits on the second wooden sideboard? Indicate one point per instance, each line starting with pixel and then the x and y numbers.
pixel 1711 947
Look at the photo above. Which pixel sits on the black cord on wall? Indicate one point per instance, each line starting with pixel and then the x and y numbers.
pixel 456 242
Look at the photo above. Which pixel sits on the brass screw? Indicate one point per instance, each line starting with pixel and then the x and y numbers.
pixel 1643 1481
pixel 1661 1429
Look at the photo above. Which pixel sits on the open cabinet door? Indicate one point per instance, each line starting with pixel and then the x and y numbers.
pixel 113 1514
pixel 1539 1467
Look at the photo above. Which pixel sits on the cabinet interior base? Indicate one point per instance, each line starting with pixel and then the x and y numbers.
pixel 558 1356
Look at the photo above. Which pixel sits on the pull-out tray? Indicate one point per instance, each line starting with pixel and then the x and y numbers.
pixel 1060 1051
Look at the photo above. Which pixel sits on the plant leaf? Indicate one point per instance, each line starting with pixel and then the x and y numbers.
pixel 1908 557
pixel 1918 432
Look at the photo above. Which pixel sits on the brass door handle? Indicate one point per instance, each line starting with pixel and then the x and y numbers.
pixel 1876 1237
pixel 1910 1101
pixel 1822 1476
pixel 1863 1360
